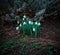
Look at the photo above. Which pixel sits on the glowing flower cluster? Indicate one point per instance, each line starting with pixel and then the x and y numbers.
pixel 24 17
pixel 29 25
pixel 37 23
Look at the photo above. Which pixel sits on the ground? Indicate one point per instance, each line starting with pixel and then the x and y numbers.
pixel 49 35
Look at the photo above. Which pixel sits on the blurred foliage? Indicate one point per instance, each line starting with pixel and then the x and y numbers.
pixel 16 6
pixel 24 38
pixel 24 46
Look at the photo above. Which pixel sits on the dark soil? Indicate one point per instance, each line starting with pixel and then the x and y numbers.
pixel 49 35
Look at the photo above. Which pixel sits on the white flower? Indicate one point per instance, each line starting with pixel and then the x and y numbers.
pixel 18 22
pixel 38 24
pixel 17 28
pixel 20 25
pixel 33 29
pixel 24 22
pixel 24 16
pixel 30 22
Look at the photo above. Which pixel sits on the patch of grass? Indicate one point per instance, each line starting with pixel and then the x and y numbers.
pixel 24 46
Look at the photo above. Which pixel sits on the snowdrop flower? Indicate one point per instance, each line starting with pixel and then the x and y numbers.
pixel 24 16
pixel 33 29
pixel 20 25
pixel 30 22
pixel 17 28
pixel 18 22
pixel 24 22
pixel 38 24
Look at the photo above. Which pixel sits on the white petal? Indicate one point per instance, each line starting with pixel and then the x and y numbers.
pixel 39 24
pixel 24 22
pixel 24 16
pixel 29 22
pixel 33 29
pixel 20 25
pixel 18 22
pixel 17 28
pixel 35 22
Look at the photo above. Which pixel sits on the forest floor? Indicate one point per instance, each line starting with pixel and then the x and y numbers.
pixel 49 35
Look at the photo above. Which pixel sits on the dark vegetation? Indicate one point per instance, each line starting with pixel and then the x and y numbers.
pixel 13 42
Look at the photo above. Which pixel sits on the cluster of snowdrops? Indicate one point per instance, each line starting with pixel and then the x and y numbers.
pixel 28 26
